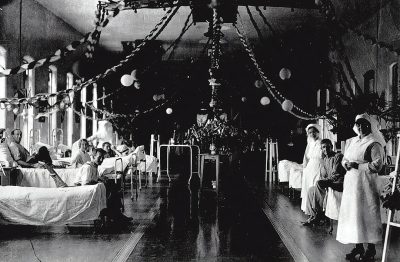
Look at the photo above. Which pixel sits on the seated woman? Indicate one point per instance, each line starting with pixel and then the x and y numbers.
pixel 82 156
pixel 108 151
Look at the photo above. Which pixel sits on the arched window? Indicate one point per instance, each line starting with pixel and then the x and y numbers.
pixel 369 82
pixel 3 86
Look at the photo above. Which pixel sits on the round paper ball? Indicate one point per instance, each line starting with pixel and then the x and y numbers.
pixel 127 80
pixel 287 105
pixel 258 83
pixel 285 73
pixel 137 85
pixel 134 74
pixel 244 99
pixel 9 107
pixel 265 101
pixel 15 110
pixel 169 111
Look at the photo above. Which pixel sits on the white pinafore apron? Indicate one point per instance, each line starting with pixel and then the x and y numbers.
pixel 312 172
pixel 359 217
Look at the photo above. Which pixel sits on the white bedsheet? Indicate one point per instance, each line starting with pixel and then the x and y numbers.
pixel 51 206
pixel 37 177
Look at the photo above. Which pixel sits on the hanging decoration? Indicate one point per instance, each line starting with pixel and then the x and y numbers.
pixel 79 85
pixel 258 83
pixel 265 101
pixel 285 73
pixel 127 80
pixel 287 105
pixel 215 57
pixel 90 38
pixel 169 111
pixel 299 113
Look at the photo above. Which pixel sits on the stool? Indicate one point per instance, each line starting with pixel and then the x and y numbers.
pixel 271 160
pixel 201 167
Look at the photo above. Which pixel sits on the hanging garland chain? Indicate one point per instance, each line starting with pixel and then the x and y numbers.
pixel 77 87
pixel 103 17
pixel 270 86
pixel 327 7
pixel 215 57
pixel 92 38
pixel 115 115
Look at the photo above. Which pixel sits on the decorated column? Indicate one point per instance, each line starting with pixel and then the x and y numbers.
pixel 70 111
pixel 83 116
pixel 52 89
pixel 94 114
pixel 30 128
pixel 3 88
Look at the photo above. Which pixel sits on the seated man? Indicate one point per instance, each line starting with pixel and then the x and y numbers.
pixel 21 155
pixel 88 175
pixel 82 156
pixel 109 152
pixel 332 175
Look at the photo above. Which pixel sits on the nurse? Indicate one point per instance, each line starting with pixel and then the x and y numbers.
pixel 311 163
pixel 359 218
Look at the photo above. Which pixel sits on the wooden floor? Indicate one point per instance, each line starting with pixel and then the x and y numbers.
pixel 172 222
pixel 309 243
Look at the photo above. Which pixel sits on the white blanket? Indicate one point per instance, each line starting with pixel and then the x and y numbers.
pixel 108 165
pixel 37 177
pixel 51 206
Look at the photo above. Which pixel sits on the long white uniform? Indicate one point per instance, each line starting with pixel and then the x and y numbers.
pixel 312 170
pixel 359 216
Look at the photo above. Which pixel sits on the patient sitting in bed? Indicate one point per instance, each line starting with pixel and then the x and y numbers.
pixel 82 156
pixel 21 155
pixel 88 175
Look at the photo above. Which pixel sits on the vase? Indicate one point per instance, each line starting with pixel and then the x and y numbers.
pixel 213 149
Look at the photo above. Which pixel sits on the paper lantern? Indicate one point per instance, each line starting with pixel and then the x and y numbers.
pixel 244 99
pixel 265 101
pixel 258 83
pixel 134 74
pixel 169 111
pixel 287 105
pixel 127 80
pixel 155 97
pixel 137 85
pixel 285 74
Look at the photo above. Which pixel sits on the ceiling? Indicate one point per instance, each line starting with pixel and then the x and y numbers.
pixel 129 26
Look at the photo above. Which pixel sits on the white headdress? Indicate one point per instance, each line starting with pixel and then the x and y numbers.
pixel 316 126
pixel 374 127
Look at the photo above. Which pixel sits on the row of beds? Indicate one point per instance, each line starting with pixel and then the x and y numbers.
pixel 291 173
pixel 34 198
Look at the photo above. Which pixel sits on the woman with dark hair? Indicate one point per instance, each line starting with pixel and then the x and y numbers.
pixel 359 217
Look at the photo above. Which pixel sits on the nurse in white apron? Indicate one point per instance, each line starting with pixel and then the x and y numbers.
pixel 311 163
pixel 359 218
